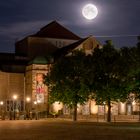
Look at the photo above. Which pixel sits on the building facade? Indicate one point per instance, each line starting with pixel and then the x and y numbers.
pixel 21 73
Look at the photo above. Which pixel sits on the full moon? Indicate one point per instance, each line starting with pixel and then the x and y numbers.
pixel 90 11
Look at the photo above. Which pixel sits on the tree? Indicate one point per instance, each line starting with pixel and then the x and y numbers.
pixel 132 62
pixel 67 81
pixel 134 72
pixel 106 76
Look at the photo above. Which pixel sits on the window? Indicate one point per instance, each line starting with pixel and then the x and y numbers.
pixel 17 105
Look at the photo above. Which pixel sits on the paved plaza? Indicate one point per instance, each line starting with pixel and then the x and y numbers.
pixel 59 129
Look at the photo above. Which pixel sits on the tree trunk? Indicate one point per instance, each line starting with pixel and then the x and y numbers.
pixel 109 111
pixel 75 112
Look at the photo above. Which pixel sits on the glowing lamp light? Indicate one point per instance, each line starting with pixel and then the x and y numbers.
pixel 133 103
pixel 14 97
pixel 38 101
pixel 35 102
pixel 1 102
pixel 28 99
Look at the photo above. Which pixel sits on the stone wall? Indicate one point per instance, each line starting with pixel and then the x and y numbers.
pixel 11 84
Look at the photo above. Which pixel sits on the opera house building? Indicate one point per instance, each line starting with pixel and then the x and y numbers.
pixel 21 73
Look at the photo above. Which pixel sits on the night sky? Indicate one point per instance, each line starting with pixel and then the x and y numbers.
pixel 118 20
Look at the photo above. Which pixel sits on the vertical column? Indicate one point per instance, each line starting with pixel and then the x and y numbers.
pixel 122 108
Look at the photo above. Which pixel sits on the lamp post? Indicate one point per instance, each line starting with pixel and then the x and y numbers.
pixel 36 103
pixel 104 110
pixel 36 113
pixel 38 108
pixel 1 105
pixel 28 99
pixel 14 107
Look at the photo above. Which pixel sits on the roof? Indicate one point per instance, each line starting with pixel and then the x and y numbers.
pixel 65 50
pixel 6 57
pixel 55 30
pixel 11 58
pixel 13 68
pixel 39 60
pixel 11 63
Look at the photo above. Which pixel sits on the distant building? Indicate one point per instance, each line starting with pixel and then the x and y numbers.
pixel 21 73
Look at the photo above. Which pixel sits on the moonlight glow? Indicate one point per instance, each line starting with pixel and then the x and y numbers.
pixel 90 11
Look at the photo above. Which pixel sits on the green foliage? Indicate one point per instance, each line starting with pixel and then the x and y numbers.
pixel 107 74
pixel 107 79
pixel 67 80
pixel 134 71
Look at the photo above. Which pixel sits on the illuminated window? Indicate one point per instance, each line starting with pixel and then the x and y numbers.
pixel 18 105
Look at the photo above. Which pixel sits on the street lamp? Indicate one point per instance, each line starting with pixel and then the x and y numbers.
pixel 28 99
pixel 14 97
pixel 1 104
pixel 14 102
pixel 104 110
pixel 35 103
pixel 36 109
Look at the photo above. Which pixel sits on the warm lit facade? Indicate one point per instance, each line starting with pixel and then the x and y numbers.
pixel 22 73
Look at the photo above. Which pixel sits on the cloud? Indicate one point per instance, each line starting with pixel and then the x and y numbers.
pixel 20 29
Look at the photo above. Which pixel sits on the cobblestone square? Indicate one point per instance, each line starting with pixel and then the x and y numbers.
pixel 60 129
